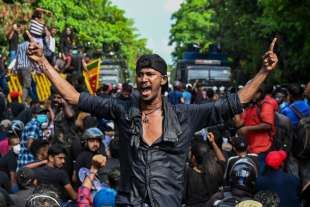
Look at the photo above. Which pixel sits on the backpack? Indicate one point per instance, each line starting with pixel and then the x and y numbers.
pixel 231 200
pixel 283 137
pixel 301 147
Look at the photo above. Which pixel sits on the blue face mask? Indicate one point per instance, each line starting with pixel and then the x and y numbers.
pixel 42 118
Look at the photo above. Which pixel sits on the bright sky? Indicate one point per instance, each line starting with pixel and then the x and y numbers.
pixel 152 21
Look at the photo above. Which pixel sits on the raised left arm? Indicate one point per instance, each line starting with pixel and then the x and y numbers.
pixel 270 61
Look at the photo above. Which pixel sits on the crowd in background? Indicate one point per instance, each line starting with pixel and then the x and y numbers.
pixel 52 154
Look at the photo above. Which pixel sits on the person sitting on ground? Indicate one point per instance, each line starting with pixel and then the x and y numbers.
pixel 239 146
pixel 205 175
pixel 31 132
pixel 53 174
pixel 44 196
pixel 276 180
pixel 8 163
pixel 5 200
pixel 15 107
pixel 27 182
pixel 242 180
pixel 92 141
pixel 104 197
pixel 39 149
pixel 64 119
pixel 4 141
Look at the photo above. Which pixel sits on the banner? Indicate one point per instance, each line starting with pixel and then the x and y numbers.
pixel 43 86
pixel 91 76
pixel 14 85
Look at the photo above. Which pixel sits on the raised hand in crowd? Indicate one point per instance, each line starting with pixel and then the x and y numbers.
pixel 218 152
pixel 270 61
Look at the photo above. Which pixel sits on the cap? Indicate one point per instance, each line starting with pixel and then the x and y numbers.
pixel 14 94
pixel 152 61
pixel 105 197
pixel 275 159
pixel 155 62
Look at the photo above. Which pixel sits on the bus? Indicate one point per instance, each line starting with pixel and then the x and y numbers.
pixel 113 71
pixel 210 69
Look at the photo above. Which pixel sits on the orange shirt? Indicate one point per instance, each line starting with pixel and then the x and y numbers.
pixel 259 141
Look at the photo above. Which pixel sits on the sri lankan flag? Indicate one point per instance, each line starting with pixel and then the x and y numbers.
pixel 91 76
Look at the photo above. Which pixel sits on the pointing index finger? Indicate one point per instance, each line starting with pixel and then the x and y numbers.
pixel 272 44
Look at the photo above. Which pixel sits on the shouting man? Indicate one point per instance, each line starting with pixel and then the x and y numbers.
pixel 154 135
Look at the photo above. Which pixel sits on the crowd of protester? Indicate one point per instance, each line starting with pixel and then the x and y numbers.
pixel 53 154
pixel 46 147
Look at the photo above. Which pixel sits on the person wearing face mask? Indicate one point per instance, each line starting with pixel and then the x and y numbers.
pixel 47 124
pixel 32 131
pixel 8 163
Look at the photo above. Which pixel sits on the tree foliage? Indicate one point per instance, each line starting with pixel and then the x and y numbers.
pixel 97 22
pixel 244 28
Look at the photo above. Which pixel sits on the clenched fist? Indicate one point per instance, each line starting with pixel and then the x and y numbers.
pixel 35 53
pixel 99 161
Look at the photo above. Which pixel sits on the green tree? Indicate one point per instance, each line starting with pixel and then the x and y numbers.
pixel 98 22
pixel 244 28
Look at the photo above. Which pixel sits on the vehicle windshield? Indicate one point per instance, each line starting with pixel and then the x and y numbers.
pixel 221 74
pixel 109 74
pixel 205 73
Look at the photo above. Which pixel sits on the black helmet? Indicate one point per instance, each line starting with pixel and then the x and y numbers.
pixel 243 175
pixel 92 133
pixel 25 177
pixel 17 127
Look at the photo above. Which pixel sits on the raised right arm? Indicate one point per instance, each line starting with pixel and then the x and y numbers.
pixel 95 105
pixel 66 90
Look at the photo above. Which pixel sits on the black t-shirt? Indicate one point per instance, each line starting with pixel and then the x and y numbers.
pixel 2 106
pixel 65 126
pixel 199 187
pixel 17 108
pixel 8 162
pixel 84 159
pixel 13 42
pixel 25 116
pixel 56 177
pixel 76 148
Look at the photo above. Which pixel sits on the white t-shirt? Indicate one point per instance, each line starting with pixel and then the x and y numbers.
pixel 52 44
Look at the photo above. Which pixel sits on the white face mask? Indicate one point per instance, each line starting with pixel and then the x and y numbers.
pixel 44 125
pixel 16 149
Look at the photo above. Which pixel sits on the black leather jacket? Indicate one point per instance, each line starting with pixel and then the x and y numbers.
pixel 155 174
